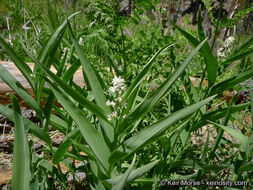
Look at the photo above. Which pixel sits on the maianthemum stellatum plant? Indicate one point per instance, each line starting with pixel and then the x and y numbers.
pixel 103 121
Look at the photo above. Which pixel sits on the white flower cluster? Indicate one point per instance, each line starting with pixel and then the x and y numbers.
pixel 116 92
pixel 66 51
pixel 118 85
pixel 226 48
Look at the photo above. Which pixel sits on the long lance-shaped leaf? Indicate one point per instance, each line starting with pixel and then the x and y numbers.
pixel 246 168
pixel 244 46
pixel 91 76
pixel 151 133
pixel 211 62
pixel 63 148
pixel 201 32
pixel 74 93
pixel 19 62
pixel 53 39
pixel 218 114
pixel 236 134
pixel 93 80
pixel 134 174
pixel 89 132
pixel 143 72
pixel 18 88
pixel 21 174
pixel 238 56
pixel 161 92
pixel 122 181
pixel 29 125
pixel 47 51
pixel 198 165
pixel 229 83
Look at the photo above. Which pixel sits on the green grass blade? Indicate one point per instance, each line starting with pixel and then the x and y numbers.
pixel 143 72
pixel 136 173
pixel 231 82
pixel 122 181
pixel 19 89
pixel 29 125
pixel 21 174
pixel 151 133
pixel 211 62
pixel 89 132
pixel 161 92
pixel 18 61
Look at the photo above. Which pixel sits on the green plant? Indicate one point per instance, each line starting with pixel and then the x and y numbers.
pixel 131 137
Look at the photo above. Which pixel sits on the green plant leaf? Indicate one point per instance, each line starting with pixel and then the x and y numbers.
pixel 238 56
pixel 231 82
pixel 94 82
pixel 66 143
pixel 58 123
pixel 29 125
pixel 21 174
pixel 18 61
pixel 89 132
pixel 197 165
pixel 201 32
pixel 246 168
pixel 73 93
pixel 211 62
pixel 151 133
pixel 91 76
pixel 136 173
pixel 19 89
pixel 46 52
pixel 140 76
pixel 236 134
pixel 53 40
pixel 122 181
pixel 145 106
pixel 244 46
pixel 218 114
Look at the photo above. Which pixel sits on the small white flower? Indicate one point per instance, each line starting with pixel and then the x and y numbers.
pixel 110 103
pixel 112 89
pixel 118 81
pixel 123 88
pixel 220 52
pixel 114 114
pixel 109 117
pixel 229 41
pixel 119 99
pixel 124 116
